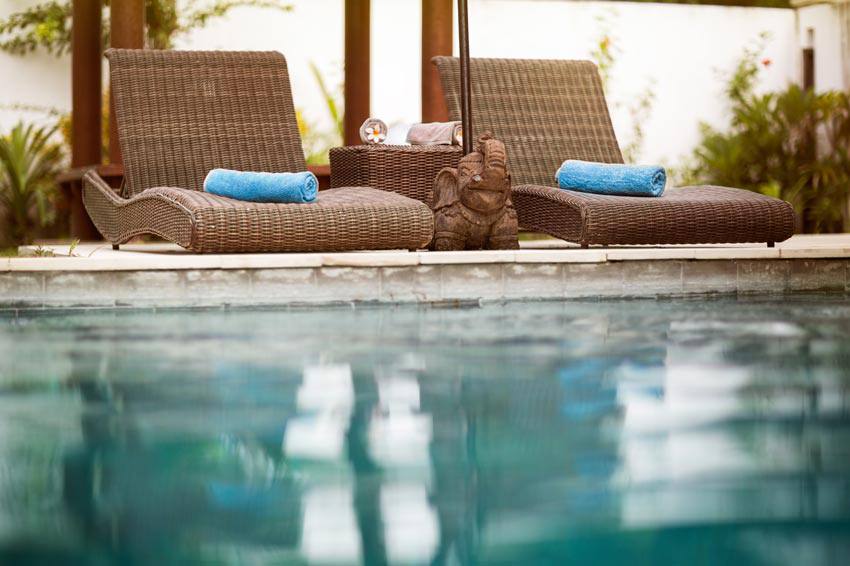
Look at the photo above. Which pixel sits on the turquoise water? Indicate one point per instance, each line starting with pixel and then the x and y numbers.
pixel 633 432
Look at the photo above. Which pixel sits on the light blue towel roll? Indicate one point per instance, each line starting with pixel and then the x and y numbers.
pixel 262 187
pixel 612 179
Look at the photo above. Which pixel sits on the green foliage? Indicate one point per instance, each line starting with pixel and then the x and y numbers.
pixel 317 143
pixel 791 144
pixel 604 54
pixel 640 110
pixel 48 25
pixel 72 248
pixel 65 122
pixel 29 162
pixel 330 97
pixel 41 251
pixel 165 22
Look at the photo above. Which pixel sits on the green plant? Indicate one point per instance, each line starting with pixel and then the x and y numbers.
pixel 165 22
pixel 41 251
pixel 29 161
pixel 604 54
pixel 64 121
pixel 640 110
pixel 48 25
pixel 332 99
pixel 72 248
pixel 317 143
pixel 45 25
pixel 791 144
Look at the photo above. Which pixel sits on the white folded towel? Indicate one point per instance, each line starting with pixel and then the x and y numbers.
pixel 436 133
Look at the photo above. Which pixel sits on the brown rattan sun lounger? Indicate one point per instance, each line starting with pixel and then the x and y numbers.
pixel 549 111
pixel 181 114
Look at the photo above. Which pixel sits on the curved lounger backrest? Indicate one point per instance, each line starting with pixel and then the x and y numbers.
pixel 545 111
pixel 182 113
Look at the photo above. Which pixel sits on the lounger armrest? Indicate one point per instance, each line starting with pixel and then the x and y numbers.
pixel 92 180
pixel 103 205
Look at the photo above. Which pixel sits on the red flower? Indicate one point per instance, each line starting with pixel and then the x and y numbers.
pixel 766 62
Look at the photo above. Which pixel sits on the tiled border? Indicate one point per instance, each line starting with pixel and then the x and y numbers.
pixel 429 282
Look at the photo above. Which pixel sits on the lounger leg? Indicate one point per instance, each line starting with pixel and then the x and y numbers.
pixel 115 246
pixel 585 246
pixel 771 244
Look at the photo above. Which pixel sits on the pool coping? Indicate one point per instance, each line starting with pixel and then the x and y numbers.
pixel 164 276
pixel 156 257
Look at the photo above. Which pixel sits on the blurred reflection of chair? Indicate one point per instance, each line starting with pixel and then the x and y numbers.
pixel 325 401
pixel 399 441
pixel 330 533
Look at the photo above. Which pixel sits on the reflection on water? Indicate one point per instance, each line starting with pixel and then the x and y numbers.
pixel 606 432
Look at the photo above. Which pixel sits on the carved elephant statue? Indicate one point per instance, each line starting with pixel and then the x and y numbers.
pixel 472 204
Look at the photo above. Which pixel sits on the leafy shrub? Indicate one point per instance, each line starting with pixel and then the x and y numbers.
pixel 29 163
pixel 793 144
pixel 317 143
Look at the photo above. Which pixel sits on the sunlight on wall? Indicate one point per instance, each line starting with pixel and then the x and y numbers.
pixel 683 49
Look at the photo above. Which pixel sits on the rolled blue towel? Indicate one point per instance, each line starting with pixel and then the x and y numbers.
pixel 262 187
pixel 612 178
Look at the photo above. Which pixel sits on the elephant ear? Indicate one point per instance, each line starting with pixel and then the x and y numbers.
pixel 446 191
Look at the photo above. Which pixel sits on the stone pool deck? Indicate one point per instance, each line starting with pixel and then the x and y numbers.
pixel 163 275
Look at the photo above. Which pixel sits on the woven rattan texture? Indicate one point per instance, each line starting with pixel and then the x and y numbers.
pixel 352 218
pixel 182 113
pixel 544 112
pixel 406 170
pixel 120 219
pixel 549 111
pixel 687 215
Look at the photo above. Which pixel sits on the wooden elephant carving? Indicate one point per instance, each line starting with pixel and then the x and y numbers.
pixel 472 204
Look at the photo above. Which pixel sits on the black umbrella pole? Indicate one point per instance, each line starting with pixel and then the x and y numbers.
pixel 465 105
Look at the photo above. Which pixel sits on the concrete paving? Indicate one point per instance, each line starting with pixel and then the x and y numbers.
pixel 165 275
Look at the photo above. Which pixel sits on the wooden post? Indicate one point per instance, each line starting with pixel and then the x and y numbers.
pixel 357 68
pixel 809 68
pixel 86 118
pixel 126 31
pixel 437 22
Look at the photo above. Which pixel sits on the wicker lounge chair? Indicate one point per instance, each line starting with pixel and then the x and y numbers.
pixel 549 111
pixel 181 114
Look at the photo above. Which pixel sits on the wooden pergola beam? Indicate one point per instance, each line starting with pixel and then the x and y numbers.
pixel 357 86
pixel 85 83
pixel 437 38
pixel 126 31
pixel 86 117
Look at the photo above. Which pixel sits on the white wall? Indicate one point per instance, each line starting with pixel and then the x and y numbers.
pixel 312 32
pixel 822 21
pixel 683 48
pixel 35 80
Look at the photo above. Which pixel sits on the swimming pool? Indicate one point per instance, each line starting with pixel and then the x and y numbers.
pixel 642 432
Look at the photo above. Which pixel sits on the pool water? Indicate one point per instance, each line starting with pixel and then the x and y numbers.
pixel 627 432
